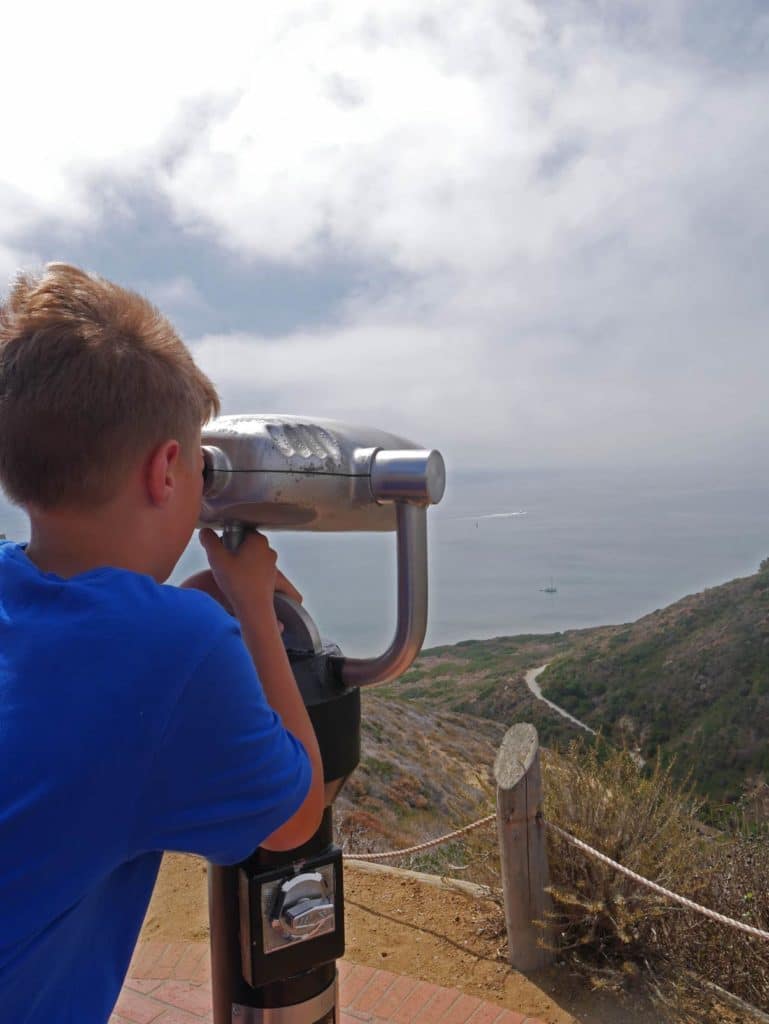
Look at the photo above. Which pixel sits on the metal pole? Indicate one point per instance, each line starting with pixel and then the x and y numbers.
pixel 223 891
pixel 411 623
pixel 225 941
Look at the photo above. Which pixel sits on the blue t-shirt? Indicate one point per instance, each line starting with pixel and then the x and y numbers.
pixel 131 721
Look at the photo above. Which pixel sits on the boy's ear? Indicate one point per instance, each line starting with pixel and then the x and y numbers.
pixel 161 472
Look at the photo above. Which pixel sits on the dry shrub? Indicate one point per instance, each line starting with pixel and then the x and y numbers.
pixel 608 923
pixel 358 831
pixel 731 878
pixel 617 930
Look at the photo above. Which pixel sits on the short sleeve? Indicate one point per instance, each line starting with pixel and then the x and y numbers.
pixel 226 774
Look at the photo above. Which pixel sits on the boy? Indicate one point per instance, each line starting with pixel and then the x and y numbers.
pixel 132 719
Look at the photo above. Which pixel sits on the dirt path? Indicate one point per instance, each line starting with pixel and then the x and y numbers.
pixel 405 925
pixel 531 681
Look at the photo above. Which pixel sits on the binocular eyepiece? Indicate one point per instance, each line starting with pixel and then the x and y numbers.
pixel 414 475
pixel 290 473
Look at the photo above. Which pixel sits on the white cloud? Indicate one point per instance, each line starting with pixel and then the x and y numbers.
pixel 574 208
pixel 367 370
pixel 499 402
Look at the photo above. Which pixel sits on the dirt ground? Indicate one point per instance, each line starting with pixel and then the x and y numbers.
pixel 400 923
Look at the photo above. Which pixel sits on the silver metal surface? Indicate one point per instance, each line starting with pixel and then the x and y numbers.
pixel 309 1012
pixel 416 476
pixel 278 930
pixel 304 907
pixel 411 623
pixel 291 473
pixel 232 535
pixel 309 918
pixel 216 469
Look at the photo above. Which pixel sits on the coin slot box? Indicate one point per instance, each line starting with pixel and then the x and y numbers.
pixel 290 919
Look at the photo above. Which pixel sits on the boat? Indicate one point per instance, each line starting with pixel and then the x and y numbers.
pixel 551 589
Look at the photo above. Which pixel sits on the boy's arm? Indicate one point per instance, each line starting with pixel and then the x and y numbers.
pixel 247 578
pixel 262 638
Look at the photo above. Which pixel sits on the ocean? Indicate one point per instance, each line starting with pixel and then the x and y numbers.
pixel 615 544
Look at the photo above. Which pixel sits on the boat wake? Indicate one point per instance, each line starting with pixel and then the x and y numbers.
pixel 493 515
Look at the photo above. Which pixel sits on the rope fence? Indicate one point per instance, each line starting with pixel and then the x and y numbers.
pixel 748 929
pixel 423 846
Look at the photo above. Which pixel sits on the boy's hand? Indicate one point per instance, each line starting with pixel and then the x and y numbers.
pixel 205 582
pixel 246 578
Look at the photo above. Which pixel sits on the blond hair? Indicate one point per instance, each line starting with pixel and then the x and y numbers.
pixel 91 376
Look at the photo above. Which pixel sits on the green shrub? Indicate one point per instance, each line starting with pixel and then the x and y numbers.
pixel 382 769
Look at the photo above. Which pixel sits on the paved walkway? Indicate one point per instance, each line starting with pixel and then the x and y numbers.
pixel 169 983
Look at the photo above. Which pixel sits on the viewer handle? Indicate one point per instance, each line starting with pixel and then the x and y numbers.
pixel 411 623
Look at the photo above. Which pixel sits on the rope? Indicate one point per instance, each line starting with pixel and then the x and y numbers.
pixel 422 846
pixel 721 918
pixel 748 929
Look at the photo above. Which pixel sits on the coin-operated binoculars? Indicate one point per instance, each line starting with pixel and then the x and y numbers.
pixel 277 919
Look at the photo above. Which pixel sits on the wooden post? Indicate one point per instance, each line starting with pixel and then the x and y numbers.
pixel 522 847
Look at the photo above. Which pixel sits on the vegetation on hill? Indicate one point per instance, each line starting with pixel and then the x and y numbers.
pixel 429 741
pixel 421 773
pixel 484 678
pixel 691 680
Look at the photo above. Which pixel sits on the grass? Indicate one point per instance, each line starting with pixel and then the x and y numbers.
pixel 378 767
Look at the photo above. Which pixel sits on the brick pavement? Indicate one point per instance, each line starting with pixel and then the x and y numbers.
pixel 169 983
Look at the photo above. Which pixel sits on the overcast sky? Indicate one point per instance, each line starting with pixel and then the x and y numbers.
pixel 531 234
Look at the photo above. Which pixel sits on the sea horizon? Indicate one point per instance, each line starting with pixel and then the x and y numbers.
pixel 616 544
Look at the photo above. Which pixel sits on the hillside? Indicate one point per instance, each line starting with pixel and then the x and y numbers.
pixel 691 679
pixel 484 679
pixel 421 772
pixel 429 742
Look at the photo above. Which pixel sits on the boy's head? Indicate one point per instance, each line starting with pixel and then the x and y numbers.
pixel 92 377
